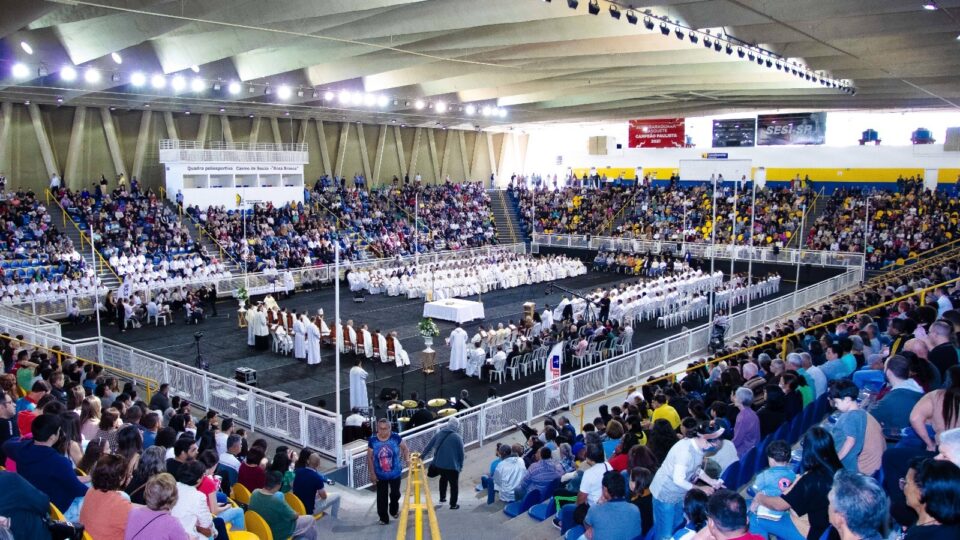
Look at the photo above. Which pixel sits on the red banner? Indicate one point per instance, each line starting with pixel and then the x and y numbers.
pixel 657 133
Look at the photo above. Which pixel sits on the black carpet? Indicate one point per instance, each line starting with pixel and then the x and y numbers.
pixel 224 344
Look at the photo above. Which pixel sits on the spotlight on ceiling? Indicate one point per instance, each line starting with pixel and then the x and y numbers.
pixel 593 7
pixel 930 6
pixel 664 29
pixel 195 68
pixel 328 96
pixel 67 73
pixel 117 59
pixel 316 94
pixel 158 81
pixel 740 52
pixel 486 111
pixel 178 83
pixel 632 17
pixel 779 67
pixel 470 110
pixel 707 42
pixel 284 92
pixel 369 100
pixel 26 47
pixel 750 56
pixel 614 12
pixel 267 90
pixel 648 23
pixel 20 71
pixel 138 79
pixel 759 60
pixel 356 98
pixel 677 31
pixel 419 104
pixel 344 97
pixel 502 113
pixel 441 107
pixel 769 62
pixel 115 77
pixel 234 87
pixel 718 47
pixel 222 109
pixel 91 75
pixel 694 38
pixel 572 4
pixel 382 101
pixel 198 85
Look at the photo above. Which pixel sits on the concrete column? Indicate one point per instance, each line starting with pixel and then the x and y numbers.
pixel 477 156
pixel 302 133
pixel 400 156
pixel 225 127
pixel 417 135
pixel 6 118
pixel 46 151
pixel 113 145
pixel 143 139
pixel 507 142
pixel 491 154
pixel 378 159
pixel 171 126
pixel 462 143
pixel 364 157
pixel 275 126
pixel 204 126
pixel 342 148
pixel 71 170
pixel 255 130
pixel 445 157
pixel 434 158
pixel 324 151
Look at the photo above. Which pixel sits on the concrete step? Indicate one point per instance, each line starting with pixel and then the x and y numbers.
pixel 204 240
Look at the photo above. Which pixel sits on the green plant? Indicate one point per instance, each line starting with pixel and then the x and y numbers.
pixel 242 294
pixel 428 328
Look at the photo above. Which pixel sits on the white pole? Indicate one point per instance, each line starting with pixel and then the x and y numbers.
pixel 753 215
pixel 866 231
pixel 416 230
pixel 803 225
pixel 336 321
pixel 243 252
pixel 733 237
pixel 96 286
pixel 713 249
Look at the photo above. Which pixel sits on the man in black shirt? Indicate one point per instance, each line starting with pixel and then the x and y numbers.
pixel 8 424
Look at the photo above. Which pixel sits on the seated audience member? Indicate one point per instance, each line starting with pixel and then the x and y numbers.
pixel 808 495
pixel 773 482
pixel 105 509
pixel 47 469
pixel 615 518
pixel 543 472
pixel 191 508
pixel 943 347
pixel 639 495
pixel 859 508
pixel 25 506
pixel 893 409
pixel 150 465
pixel 154 521
pixel 932 490
pixel 695 514
pixel 937 411
pixel 282 520
pixel 209 487
pixel 727 516
pixel 857 435
pixel 509 472
pixel 746 430
pixel 310 486
pixel 662 410
pixel 253 470
pixel 184 450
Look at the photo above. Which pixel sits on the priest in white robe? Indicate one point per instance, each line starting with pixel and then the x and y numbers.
pixel 299 337
pixel 401 358
pixel 476 358
pixel 261 332
pixel 381 346
pixel 458 348
pixel 358 386
pixel 352 334
pixel 249 317
pixel 367 342
pixel 547 317
pixel 313 343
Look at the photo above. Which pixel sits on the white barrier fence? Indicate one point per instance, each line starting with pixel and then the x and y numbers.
pixel 488 420
pixel 739 252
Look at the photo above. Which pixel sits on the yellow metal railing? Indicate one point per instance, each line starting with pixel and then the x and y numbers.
pixel 806 215
pixel 916 258
pixel 781 342
pixel 916 266
pixel 417 498
pixel 631 202
pixel 150 385
pixel 84 238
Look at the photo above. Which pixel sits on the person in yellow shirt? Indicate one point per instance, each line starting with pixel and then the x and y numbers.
pixel 663 410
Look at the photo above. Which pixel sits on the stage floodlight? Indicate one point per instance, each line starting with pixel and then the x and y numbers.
pixel 694 38
pixel 632 17
pixel 614 12
pixel 664 29
pixel 572 4
pixel 117 59
pixel 234 88
pixel 470 110
pixel 158 81
pixel 91 75
pixel 593 7
pixel 198 85
pixel 26 47
pixel 284 91
pixel 20 71
pixel 178 83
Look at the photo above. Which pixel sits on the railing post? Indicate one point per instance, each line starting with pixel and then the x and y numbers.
pixel 636 363
pixel 252 409
pixel 304 440
pixel 529 403
pixel 666 352
pixel 606 375
pixel 350 481
pixel 482 423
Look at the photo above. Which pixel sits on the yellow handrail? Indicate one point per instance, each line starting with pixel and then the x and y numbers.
pixel 83 235
pixel 781 340
pixel 806 214
pixel 224 254
pixel 149 385
pixel 420 501
pixel 629 204
pixel 920 255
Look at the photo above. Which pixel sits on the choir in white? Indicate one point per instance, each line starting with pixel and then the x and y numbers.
pixel 43 290
pixel 459 277
pixel 168 272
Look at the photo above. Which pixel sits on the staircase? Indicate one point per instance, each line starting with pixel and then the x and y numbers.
pixel 506 218
pixel 107 277
pixel 202 239
pixel 819 207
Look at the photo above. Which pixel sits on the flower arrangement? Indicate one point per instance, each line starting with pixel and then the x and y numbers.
pixel 242 294
pixel 428 328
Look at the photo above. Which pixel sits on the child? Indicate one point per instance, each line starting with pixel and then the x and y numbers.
pixel 773 482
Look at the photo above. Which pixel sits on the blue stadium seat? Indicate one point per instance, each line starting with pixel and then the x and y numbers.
pixel 516 508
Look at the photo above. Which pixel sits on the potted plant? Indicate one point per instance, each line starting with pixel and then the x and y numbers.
pixel 428 330
pixel 242 296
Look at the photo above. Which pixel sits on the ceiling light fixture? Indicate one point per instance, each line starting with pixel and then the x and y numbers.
pixel 679 32
pixel 632 17
pixel 485 111
pixel 117 59
pixel 664 29
pixel 20 71
pixel 614 12
pixel 216 86
pixel 718 47
pixel 502 113
pixel 593 7
pixel 91 75
pixel 356 98
pixel 328 95
pixel 138 79
pixel 441 107
pixel 930 6
pixel 158 81
pixel 26 47
pixel 195 68
pixel 198 85
pixel 419 104
pixel 67 73
pixel 178 83
pixel 382 101
pixel 694 38
pixel 572 4
pixel 344 97
pixel 234 87
pixel 369 100
pixel 470 110
pixel 284 92
pixel 299 92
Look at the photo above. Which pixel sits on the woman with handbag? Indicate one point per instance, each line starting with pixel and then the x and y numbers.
pixel 447 445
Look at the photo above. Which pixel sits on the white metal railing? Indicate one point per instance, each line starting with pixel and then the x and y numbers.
pixel 740 252
pixel 175 150
pixel 264 412
pixel 487 420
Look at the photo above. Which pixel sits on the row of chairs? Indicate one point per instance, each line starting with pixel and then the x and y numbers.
pixel 255 523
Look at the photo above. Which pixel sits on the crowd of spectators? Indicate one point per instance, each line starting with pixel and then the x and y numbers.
pixel 907 221
pixel 570 210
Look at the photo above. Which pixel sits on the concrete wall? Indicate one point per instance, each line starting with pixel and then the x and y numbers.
pixel 75 142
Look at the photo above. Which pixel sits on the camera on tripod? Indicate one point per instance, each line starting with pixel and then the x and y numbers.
pixel 197 336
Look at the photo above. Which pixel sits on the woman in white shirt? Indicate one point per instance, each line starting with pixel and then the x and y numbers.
pixel 192 510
